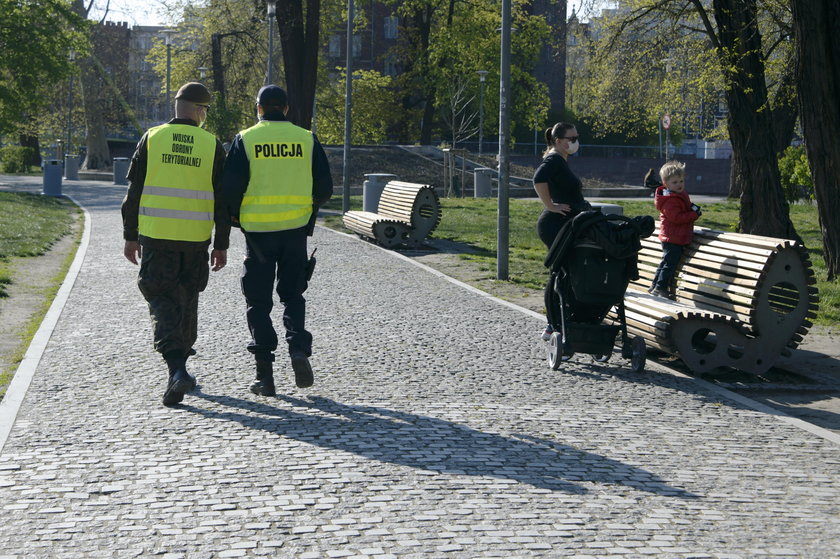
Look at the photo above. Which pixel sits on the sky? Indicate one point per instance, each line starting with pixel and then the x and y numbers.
pixel 148 12
pixel 145 12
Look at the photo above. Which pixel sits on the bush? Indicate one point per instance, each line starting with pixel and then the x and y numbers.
pixel 796 174
pixel 14 159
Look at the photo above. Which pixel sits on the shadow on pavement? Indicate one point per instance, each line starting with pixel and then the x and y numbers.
pixel 433 444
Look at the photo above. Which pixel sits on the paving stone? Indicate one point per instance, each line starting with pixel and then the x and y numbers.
pixel 434 428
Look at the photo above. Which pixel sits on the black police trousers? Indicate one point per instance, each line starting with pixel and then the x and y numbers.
pixel 276 260
pixel 170 281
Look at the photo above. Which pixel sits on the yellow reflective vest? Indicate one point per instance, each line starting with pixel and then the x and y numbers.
pixel 177 201
pixel 279 193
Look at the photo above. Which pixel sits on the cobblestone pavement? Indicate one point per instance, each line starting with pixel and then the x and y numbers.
pixel 434 429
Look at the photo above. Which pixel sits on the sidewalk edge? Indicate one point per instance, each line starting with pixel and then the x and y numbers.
pixel 16 392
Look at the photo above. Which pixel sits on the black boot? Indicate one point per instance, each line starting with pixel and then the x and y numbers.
pixel 263 385
pixel 303 370
pixel 180 381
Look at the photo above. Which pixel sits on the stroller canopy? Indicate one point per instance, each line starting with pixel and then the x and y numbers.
pixel 619 236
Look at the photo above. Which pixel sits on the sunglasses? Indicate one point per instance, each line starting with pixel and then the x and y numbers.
pixel 206 107
pixel 572 139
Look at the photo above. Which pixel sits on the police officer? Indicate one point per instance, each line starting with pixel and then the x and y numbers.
pixel 172 204
pixel 276 175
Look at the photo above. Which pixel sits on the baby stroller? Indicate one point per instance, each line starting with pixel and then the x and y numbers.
pixel 591 261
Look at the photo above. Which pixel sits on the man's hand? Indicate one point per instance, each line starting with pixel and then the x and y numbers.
pixel 218 258
pixel 132 251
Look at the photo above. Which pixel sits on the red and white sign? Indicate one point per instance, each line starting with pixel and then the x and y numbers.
pixel 666 121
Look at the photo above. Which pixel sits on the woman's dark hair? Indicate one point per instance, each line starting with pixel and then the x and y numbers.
pixel 557 131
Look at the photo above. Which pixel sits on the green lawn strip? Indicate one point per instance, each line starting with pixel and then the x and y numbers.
pixel 56 216
pixel 29 225
pixel 473 223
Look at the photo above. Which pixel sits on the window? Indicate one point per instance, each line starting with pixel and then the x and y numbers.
pixel 335 46
pixel 390 66
pixel 391 27
pixel 357 45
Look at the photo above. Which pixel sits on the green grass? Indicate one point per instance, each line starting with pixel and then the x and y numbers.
pixel 29 225
pixel 473 222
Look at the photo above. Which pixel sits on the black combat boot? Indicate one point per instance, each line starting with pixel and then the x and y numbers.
pixel 303 370
pixel 263 385
pixel 180 381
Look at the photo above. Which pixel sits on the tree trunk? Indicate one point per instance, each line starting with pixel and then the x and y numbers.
pixel 785 110
pixel 98 155
pixel 299 41
pixel 428 120
pixel 755 169
pixel 424 24
pixel 818 73
pixel 28 141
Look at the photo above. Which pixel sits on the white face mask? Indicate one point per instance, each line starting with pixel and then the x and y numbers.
pixel 573 147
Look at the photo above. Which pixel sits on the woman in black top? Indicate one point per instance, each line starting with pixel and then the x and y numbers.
pixel 559 190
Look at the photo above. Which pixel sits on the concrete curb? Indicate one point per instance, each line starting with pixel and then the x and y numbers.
pixel 10 405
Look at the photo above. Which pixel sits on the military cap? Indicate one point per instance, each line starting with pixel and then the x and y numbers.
pixel 195 93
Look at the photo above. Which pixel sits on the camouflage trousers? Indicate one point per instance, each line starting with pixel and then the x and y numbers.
pixel 170 281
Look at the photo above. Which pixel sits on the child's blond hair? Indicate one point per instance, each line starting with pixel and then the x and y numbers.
pixel 670 169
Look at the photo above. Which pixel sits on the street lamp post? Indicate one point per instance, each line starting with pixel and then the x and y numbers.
pixel 503 236
pixel 167 39
pixel 482 74
pixel 348 104
pixel 202 72
pixel 271 9
pixel 72 57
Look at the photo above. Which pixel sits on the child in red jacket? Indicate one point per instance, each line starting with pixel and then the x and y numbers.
pixel 676 224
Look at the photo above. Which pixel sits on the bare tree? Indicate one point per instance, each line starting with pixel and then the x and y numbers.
pixel 457 112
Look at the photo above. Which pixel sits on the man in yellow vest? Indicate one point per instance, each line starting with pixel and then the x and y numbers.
pixel 276 176
pixel 172 204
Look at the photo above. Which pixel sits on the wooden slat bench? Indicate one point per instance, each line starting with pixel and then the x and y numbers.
pixel 741 301
pixel 407 213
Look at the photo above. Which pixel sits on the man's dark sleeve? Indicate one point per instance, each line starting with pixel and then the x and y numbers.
pixel 136 177
pixel 322 184
pixel 235 176
pixel 221 215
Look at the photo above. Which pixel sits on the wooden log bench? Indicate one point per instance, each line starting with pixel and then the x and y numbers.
pixel 741 301
pixel 407 213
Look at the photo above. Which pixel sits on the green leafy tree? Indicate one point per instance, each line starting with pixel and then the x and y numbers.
pixel 227 37
pixel 796 176
pixel 374 111
pixel 672 55
pixel 447 42
pixel 35 38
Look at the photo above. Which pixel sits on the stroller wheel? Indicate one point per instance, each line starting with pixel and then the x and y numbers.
pixel 555 350
pixel 639 349
pixel 601 358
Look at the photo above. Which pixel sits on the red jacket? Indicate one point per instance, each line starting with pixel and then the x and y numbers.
pixel 676 218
